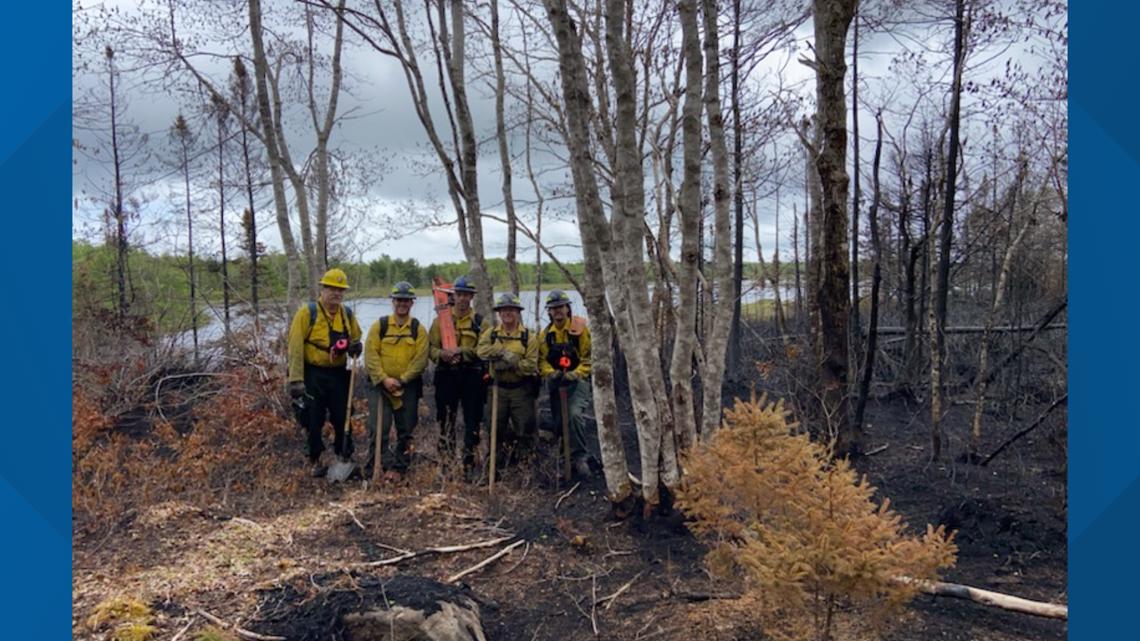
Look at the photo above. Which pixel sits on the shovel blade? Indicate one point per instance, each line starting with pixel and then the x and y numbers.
pixel 339 471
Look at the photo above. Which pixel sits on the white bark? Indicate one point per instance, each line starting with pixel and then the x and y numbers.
pixel 689 208
pixel 637 334
pixel 721 310
pixel 596 244
pixel 269 138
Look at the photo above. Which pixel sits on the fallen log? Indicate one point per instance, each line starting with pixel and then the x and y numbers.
pixel 990 598
pixel 980 329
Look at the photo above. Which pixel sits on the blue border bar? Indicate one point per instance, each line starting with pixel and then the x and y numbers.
pixel 35 180
pixel 1104 349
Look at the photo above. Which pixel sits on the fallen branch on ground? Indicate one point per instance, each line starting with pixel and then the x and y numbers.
pixel 451 549
pixel 594 604
pixel 613 597
pixel 881 448
pixel 350 513
pixel 1040 419
pixel 241 632
pixel 485 562
pixel 990 598
pixel 562 497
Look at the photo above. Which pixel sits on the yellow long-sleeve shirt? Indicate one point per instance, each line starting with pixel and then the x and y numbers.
pixel 495 340
pixel 309 342
pixel 465 334
pixel 562 333
pixel 400 354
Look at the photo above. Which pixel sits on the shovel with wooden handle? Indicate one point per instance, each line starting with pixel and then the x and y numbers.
pixel 564 397
pixel 494 429
pixel 340 469
pixel 377 469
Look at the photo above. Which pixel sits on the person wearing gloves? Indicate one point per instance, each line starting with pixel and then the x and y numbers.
pixel 395 355
pixel 564 361
pixel 323 335
pixel 512 354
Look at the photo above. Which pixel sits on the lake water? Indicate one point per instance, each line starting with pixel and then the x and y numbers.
pixel 369 310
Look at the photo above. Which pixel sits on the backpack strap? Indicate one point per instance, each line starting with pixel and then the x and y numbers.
pixel 525 338
pixel 384 327
pixel 575 339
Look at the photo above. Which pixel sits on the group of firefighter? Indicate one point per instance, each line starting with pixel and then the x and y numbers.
pixel 495 372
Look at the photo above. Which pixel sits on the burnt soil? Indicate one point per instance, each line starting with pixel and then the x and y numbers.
pixel 292 566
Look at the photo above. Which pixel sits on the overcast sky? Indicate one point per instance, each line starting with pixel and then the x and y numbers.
pixel 382 127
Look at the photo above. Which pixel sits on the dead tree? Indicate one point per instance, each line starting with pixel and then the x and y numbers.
pixel 868 368
pixel 941 285
pixel 832 19
pixel 180 134
pixel 221 114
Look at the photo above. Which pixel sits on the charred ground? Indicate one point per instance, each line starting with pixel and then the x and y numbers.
pixel 290 562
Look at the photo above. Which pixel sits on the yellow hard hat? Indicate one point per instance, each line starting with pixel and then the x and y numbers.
pixel 335 278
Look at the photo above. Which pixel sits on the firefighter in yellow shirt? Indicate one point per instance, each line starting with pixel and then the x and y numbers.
pixel 564 361
pixel 459 377
pixel 322 336
pixel 395 354
pixel 512 352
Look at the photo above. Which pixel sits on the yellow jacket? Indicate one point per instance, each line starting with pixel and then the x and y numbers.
pixel 465 333
pixel 309 344
pixel 562 335
pixel 495 340
pixel 399 355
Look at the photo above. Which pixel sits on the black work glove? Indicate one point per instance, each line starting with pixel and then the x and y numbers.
pixel 355 349
pixel 296 389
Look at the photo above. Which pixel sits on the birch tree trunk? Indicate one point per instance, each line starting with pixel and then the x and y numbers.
pixel 721 311
pixel 399 45
pixel 269 137
pixel 540 200
pixel 221 113
pixel 689 208
pixel 504 151
pixel 595 244
pixel 832 19
pixel 300 192
pixel 468 155
pixel 637 334
pixel 974 447
pixel 323 128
